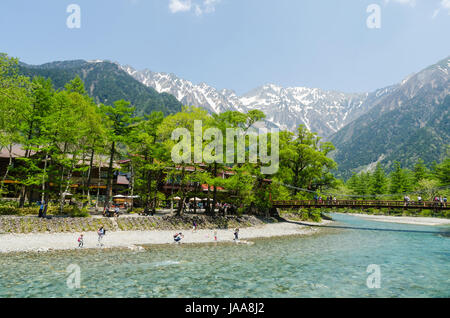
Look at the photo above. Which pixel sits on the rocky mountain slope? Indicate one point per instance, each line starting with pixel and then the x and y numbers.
pixel 412 121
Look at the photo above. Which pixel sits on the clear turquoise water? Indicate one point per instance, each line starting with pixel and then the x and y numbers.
pixel 414 262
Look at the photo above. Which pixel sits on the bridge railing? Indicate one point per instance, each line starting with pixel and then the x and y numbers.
pixel 358 203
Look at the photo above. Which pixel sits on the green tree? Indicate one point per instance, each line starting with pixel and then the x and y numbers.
pixel 119 120
pixel 148 158
pixel 304 161
pixel 420 171
pixel 400 180
pixel 184 119
pixel 379 181
pixel 442 170
pixel 15 105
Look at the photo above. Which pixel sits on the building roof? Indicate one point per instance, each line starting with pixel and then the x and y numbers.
pixel 17 151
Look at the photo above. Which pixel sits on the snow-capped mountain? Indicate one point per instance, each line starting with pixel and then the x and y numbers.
pixel 186 92
pixel 324 112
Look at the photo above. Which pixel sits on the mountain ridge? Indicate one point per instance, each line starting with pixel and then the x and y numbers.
pixel 321 111
pixel 106 83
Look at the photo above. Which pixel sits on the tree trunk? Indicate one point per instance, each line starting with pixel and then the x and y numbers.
pixel 88 183
pixel 171 194
pixel 183 196
pixel 195 192
pixel 23 188
pixel 63 194
pixel 98 182
pixel 208 205
pixel 157 182
pixel 214 191
pixel 132 185
pixel 43 178
pixel 110 173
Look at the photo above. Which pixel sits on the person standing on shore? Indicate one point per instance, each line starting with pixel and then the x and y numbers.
pixel 41 209
pixel 236 235
pixel 101 232
pixel 215 235
pixel 80 241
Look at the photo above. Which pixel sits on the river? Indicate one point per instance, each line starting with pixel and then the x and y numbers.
pixel 413 261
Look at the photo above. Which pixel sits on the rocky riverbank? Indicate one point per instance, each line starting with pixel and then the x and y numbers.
pixel 29 224
pixel 133 232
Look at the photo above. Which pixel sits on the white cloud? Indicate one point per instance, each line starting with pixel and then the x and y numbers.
pixel 198 10
pixel 199 6
pixel 180 5
pixel 443 5
pixel 412 3
pixel 210 5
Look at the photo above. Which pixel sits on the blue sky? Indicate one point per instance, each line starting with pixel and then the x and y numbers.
pixel 238 44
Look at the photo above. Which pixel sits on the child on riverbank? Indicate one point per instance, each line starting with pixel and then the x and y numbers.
pixel 80 241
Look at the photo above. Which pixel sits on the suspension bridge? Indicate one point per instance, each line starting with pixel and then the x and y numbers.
pixel 361 204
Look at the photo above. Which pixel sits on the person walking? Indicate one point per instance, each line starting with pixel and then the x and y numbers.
pixel 101 233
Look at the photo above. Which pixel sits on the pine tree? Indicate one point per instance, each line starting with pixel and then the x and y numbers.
pixel 379 181
pixel 420 171
pixel 400 180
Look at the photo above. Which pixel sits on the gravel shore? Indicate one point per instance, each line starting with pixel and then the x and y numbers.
pixel 403 219
pixel 43 242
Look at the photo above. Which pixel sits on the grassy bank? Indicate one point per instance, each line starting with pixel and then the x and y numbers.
pixel 27 224
pixel 307 215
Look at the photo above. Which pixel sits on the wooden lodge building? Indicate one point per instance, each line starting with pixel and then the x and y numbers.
pixel 98 181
